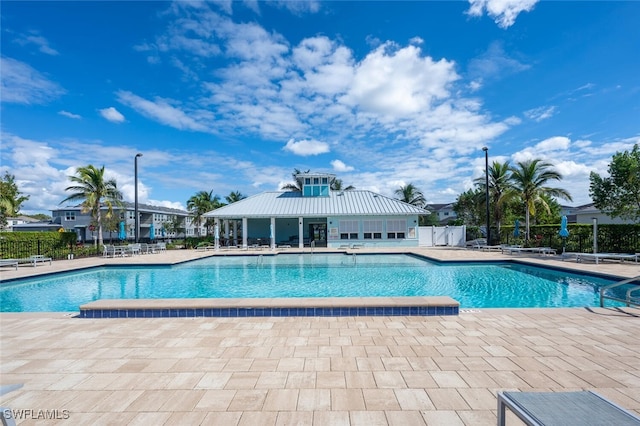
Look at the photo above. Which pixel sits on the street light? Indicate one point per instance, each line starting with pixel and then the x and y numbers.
pixel 486 187
pixel 137 219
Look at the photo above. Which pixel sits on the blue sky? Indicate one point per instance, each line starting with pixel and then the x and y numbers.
pixel 232 96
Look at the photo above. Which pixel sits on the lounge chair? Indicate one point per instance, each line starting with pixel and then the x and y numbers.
pixel 477 243
pixel 563 408
pixel 538 250
pixel 205 247
pixel 35 259
pixel 603 256
pixel 9 262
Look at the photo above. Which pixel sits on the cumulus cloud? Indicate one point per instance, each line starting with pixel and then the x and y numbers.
pixel 112 115
pixel 399 81
pixel 503 12
pixel 22 84
pixel 339 166
pixel 306 147
pixel 69 114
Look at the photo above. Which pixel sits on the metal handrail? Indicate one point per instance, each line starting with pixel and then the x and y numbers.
pixel 627 300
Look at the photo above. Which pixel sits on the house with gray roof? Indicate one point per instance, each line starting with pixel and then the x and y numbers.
pixel 318 216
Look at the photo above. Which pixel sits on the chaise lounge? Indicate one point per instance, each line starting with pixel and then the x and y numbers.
pixel 563 408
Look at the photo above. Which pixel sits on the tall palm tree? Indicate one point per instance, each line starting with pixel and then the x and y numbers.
pixel 298 182
pixel 529 179
pixel 410 194
pixel 91 188
pixel 201 203
pixel 234 196
pixel 500 189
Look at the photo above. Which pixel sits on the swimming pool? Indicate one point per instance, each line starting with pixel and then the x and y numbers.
pixel 474 285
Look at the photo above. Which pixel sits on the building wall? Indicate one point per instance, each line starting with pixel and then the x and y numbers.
pixel 335 240
pixel 587 217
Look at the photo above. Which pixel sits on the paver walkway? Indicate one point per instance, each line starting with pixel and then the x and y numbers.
pixel 321 371
pixel 313 371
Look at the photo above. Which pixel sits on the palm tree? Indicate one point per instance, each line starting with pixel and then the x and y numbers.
pixel 234 196
pixel 95 192
pixel 10 197
pixel 201 203
pixel 529 179
pixel 410 194
pixel 298 182
pixel 500 189
pixel 336 185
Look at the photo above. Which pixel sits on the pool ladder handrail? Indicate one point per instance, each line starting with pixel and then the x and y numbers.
pixel 628 300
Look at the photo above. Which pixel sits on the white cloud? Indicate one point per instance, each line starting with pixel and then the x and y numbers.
pixel 540 113
pixel 399 82
pixel 339 166
pixel 112 115
pixel 22 84
pixel 494 64
pixel 503 12
pixel 69 114
pixel 41 42
pixel 553 144
pixel 161 111
pixel 306 147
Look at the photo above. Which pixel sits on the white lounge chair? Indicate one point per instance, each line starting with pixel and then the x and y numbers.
pixel 9 262
pixel 34 260
pixel 606 256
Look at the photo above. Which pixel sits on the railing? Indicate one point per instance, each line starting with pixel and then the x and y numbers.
pixel 629 299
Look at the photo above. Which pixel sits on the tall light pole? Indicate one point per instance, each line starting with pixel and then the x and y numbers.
pixel 135 204
pixel 486 187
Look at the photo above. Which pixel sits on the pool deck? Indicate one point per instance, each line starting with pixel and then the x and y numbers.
pixel 405 370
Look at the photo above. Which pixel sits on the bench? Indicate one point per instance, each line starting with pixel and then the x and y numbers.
pixel 563 408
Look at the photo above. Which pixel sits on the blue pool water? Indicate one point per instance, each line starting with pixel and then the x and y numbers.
pixel 304 275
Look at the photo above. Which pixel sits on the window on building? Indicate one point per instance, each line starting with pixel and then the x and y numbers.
pixel 396 228
pixel 348 229
pixel 131 215
pixel 69 215
pixel 372 229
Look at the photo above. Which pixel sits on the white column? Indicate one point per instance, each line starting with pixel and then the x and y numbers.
pixel 300 233
pixel 273 233
pixel 226 230
pixel 235 232
pixel 216 233
pixel 245 230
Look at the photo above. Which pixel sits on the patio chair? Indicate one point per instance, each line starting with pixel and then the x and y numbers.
pixel 108 250
pixel 563 408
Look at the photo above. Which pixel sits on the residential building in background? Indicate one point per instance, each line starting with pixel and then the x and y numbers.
pixel 167 222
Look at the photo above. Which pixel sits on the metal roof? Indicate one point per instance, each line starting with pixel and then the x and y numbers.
pixel 338 203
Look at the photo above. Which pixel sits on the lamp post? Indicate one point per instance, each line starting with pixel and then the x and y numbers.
pixel 486 187
pixel 135 204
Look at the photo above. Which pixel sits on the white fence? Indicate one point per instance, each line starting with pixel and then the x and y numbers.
pixel 432 236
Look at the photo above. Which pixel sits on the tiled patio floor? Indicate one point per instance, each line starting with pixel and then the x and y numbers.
pixel 321 371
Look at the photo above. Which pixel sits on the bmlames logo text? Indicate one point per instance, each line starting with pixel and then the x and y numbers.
pixel 31 414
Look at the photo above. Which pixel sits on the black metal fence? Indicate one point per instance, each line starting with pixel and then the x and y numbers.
pixel 610 238
pixel 50 244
